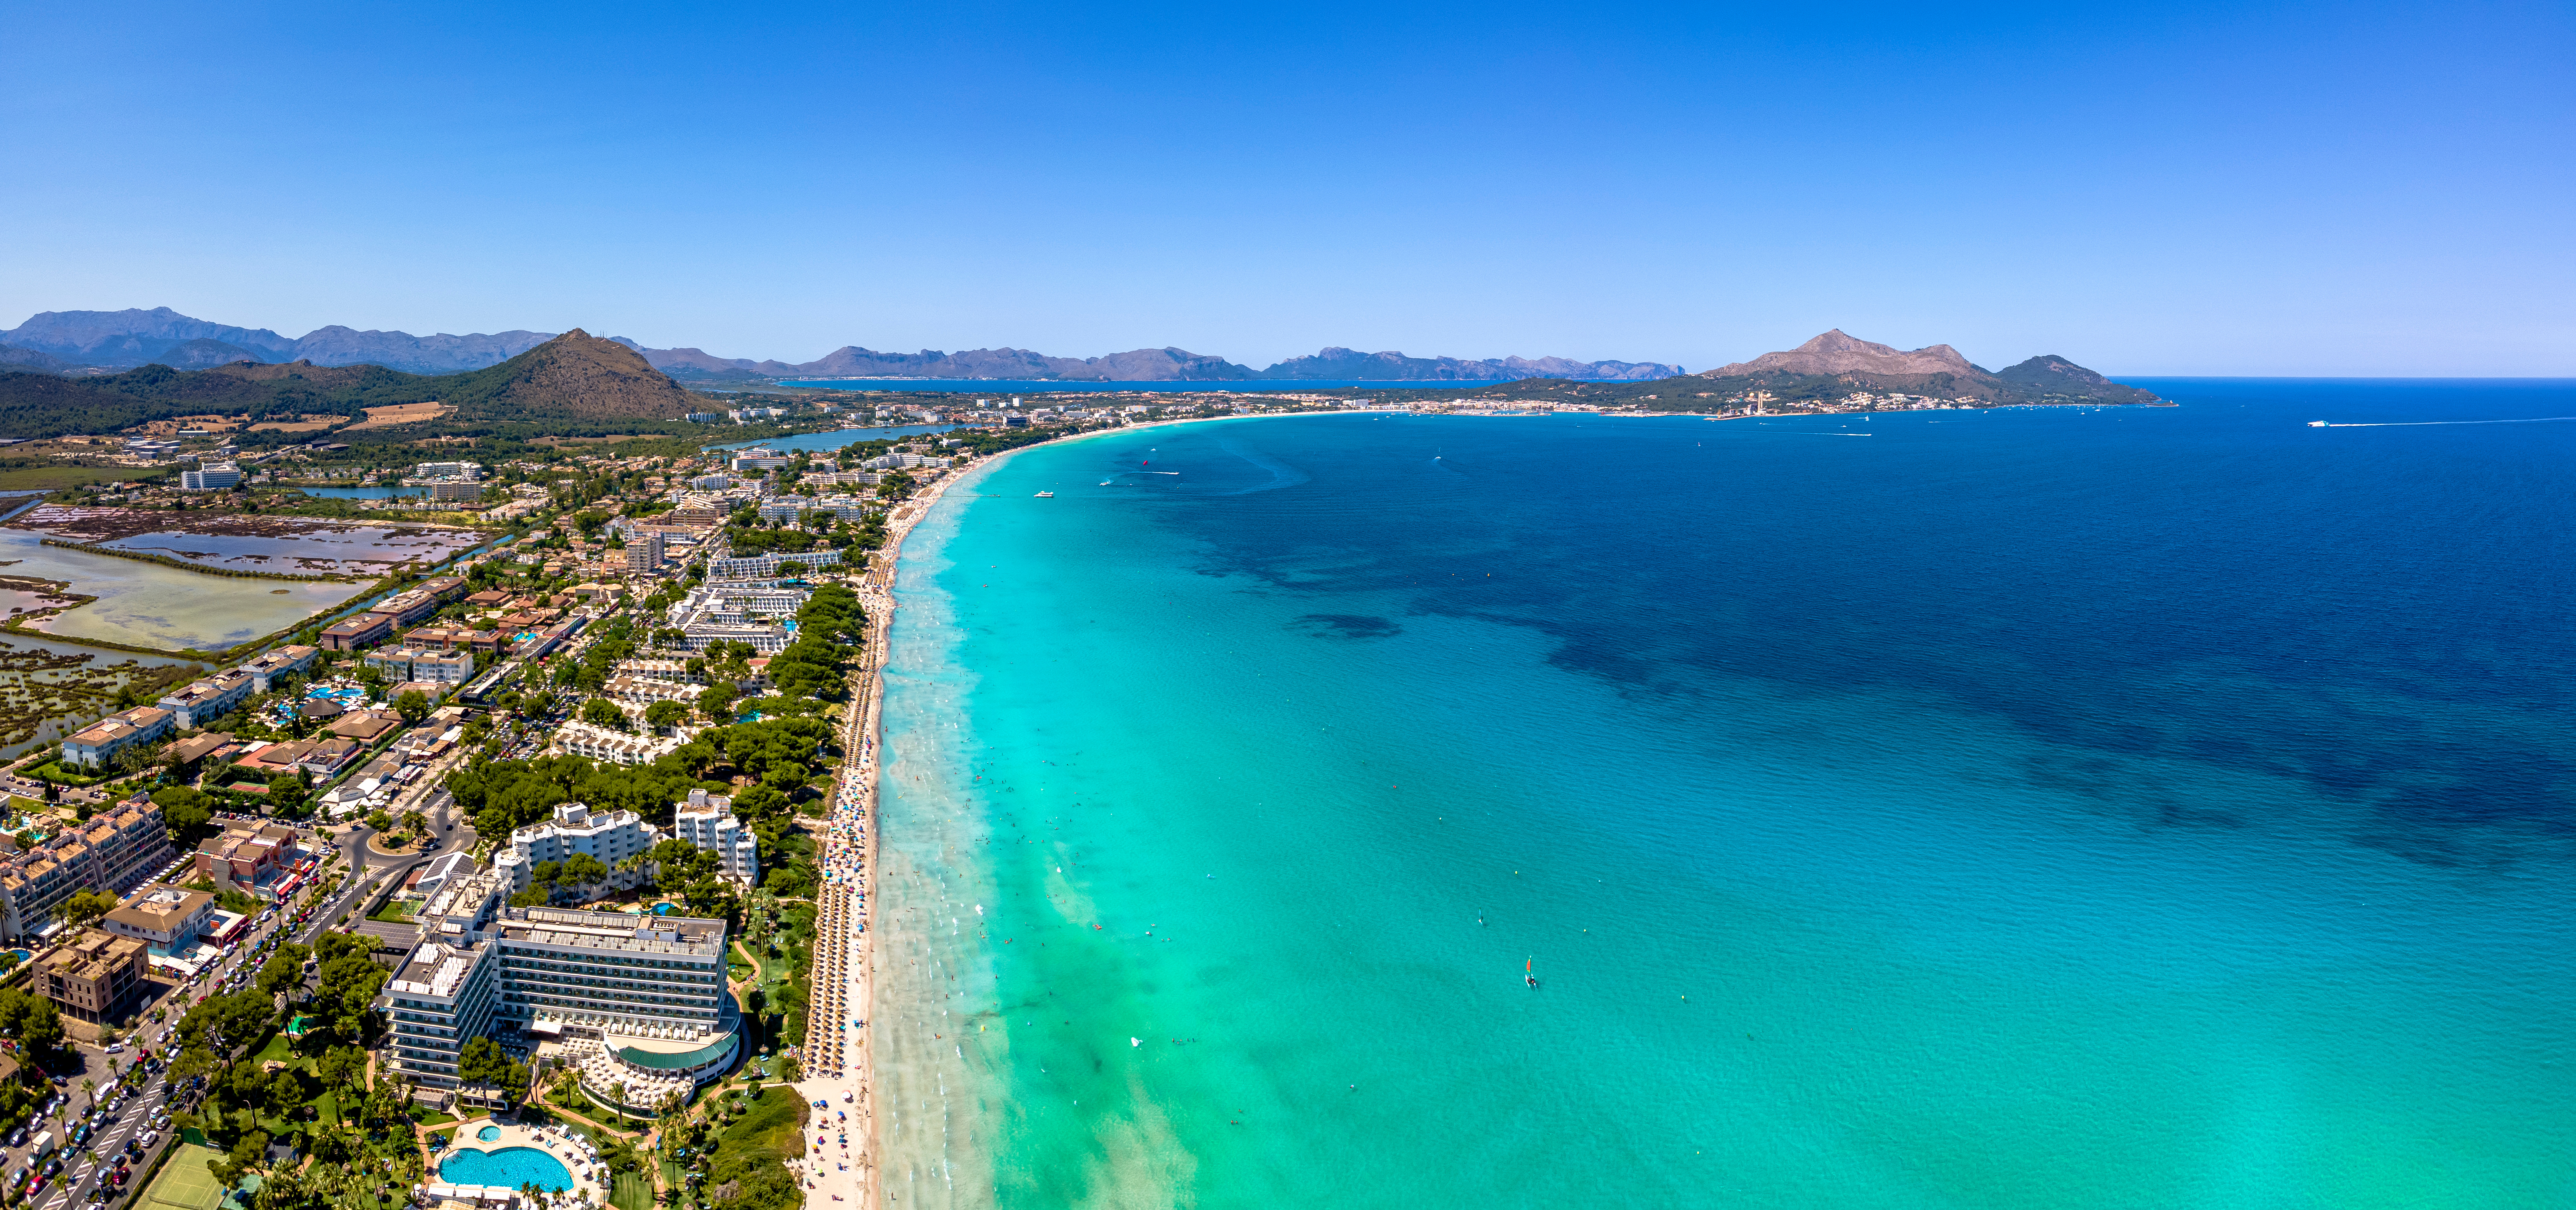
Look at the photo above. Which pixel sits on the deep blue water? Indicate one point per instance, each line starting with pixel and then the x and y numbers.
pixel 2038 807
pixel 1043 386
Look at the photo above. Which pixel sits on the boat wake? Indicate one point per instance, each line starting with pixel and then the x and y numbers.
pixel 2410 424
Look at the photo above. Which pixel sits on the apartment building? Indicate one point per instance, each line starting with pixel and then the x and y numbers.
pixel 350 634
pixel 410 663
pixel 420 600
pixel 706 820
pixel 113 852
pixel 644 551
pixel 200 702
pixel 294 659
pixel 610 837
pixel 616 747
pixel 764 567
pixel 99 743
pixel 93 980
pixel 675 671
pixel 211 477
pixel 638 692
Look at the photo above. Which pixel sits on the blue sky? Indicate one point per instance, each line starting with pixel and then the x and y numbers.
pixel 2220 189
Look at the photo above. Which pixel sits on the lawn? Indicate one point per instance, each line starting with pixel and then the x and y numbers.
pixel 395 911
pixel 775 1121
pixel 631 1191
pixel 57 773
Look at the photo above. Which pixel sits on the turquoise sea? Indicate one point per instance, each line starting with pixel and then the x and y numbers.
pixel 2028 808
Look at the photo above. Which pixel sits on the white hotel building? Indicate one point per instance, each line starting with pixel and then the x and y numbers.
pixel 706 820
pixel 629 1000
pixel 611 837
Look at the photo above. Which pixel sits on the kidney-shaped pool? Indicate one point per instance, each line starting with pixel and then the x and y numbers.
pixel 507 1168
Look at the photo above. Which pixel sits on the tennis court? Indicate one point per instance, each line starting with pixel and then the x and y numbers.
pixel 184 1183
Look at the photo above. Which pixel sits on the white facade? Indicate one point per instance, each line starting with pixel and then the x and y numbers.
pixel 762 567
pixel 423 664
pixel 211 477
pixel 706 820
pixel 650 993
pixel 610 838
pixel 616 747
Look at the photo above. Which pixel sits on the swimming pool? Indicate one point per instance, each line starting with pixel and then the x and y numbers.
pixel 507 1168
pixel 488 1133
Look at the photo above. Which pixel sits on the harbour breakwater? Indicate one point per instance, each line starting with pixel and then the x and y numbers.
pixel 185 565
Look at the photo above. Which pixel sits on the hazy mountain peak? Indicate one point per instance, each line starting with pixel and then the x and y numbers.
pixel 1835 351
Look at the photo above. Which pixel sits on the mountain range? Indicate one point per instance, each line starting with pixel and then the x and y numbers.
pixel 1836 365
pixel 90 341
pixel 569 381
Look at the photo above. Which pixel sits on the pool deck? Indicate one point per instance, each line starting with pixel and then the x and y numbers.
pixel 586 1173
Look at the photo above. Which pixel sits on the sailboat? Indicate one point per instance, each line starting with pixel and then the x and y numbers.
pixel 1528 974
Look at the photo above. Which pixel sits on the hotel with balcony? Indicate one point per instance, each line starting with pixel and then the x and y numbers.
pixel 627 1000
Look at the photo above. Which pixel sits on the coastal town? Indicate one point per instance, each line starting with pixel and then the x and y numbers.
pixel 531 875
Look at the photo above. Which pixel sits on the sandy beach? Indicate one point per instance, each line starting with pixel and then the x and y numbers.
pixel 838 1059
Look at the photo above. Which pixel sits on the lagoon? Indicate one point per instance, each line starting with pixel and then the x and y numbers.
pixel 148 605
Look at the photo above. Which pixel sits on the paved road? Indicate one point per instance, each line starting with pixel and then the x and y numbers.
pixel 80 1174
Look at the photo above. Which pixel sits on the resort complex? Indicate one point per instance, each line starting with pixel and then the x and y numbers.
pixel 637 1004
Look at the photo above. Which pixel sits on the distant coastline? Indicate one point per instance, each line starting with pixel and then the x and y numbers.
pixel 1171 386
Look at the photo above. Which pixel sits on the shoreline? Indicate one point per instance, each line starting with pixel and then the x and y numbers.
pixel 848 954
pixel 862 750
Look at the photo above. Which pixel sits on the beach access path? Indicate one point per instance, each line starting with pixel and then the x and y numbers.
pixel 836 1056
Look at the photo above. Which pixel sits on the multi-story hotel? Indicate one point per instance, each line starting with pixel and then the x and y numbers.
pixel 706 820
pixel 98 743
pixel 632 1001
pixel 609 836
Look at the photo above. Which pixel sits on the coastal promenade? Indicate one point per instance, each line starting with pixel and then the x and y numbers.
pixel 836 1056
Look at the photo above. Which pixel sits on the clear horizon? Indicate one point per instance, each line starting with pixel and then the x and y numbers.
pixel 2196 192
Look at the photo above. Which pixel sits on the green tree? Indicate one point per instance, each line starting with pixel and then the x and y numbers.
pixel 284 972
pixel 287 792
pixel 412 705
pixel 343 1066
pixel 86 906
pixel 248 1155
pixel 601 712
pixel 582 869
pixel 664 715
